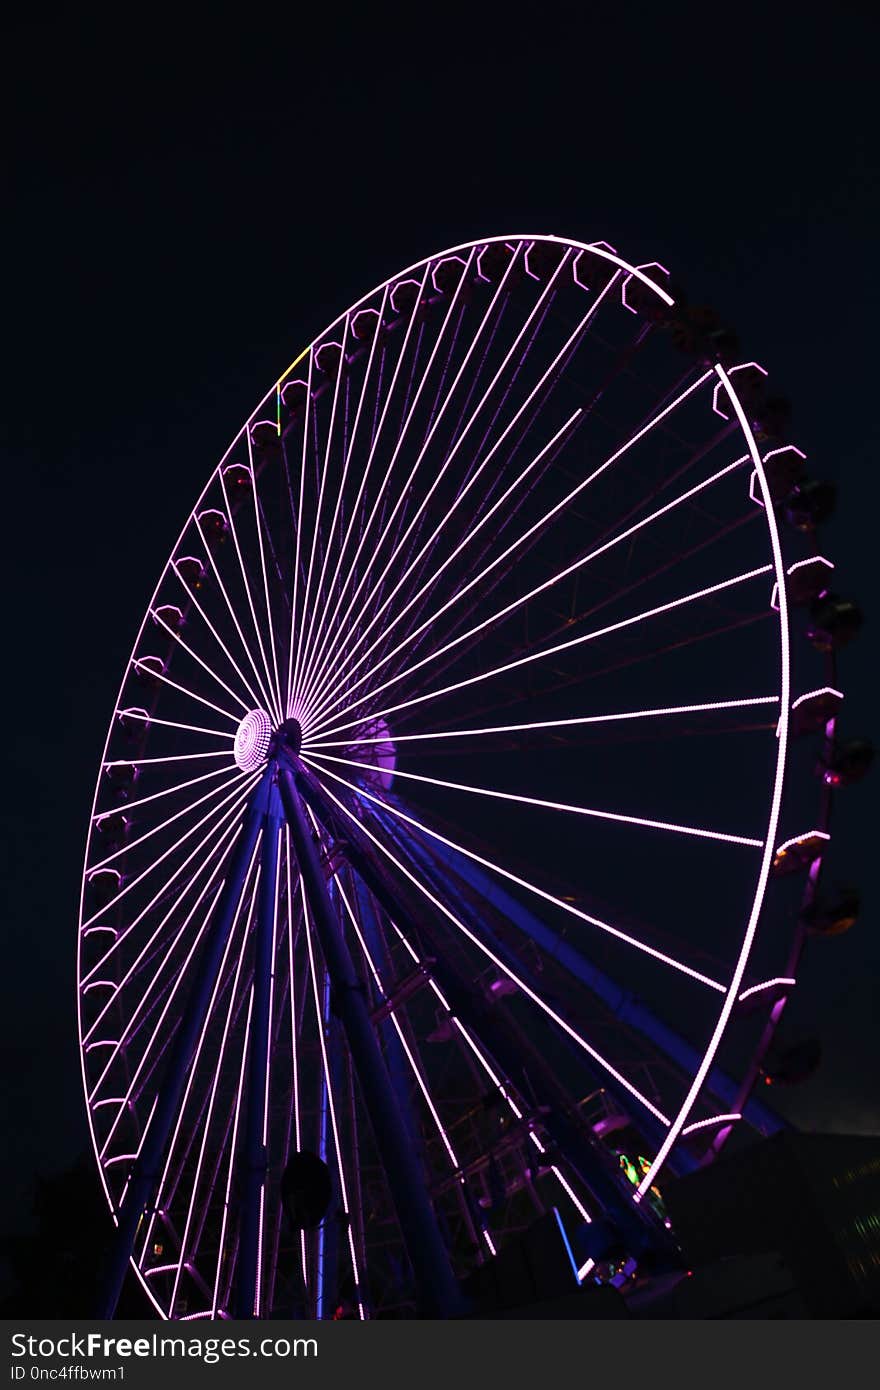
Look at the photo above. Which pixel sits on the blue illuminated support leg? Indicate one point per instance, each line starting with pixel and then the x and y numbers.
pixel 255 1155
pixel 145 1176
pixel 438 1291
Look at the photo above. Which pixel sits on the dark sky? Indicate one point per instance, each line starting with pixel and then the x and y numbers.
pixel 185 208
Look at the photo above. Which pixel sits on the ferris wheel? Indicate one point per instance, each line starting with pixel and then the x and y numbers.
pixel 453 844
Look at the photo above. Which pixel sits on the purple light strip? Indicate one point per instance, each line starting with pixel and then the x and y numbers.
pixel 172 758
pixel 266 697
pixel 294 640
pixel 388 397
pixel 221 1248
pixel 255 699
pixel 293 1047
pixel 136 664
pixel 233 776
pixel 209 1115
pixel 316 744
pixel 238 792
pixel 203 1034
pixel 756 989
pixel 500 965
pixel 329 1091
pixel 775 804
pixel 376 338
pixel 253 477
pixel 144 718
pixel 802 838
pixel 477 472
pixel 556 805
pixel 713 1120
pixel 548 651
pixel 524 883
pixel 166 791
pixel 273 703
pixel 195 656
pixel 811 695
pixel 541 522
pixel 447 319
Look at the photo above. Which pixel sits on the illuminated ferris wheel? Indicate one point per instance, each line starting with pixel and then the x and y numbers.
pixel 453 844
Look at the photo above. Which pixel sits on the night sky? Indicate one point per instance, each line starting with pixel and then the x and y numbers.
pixel 185 209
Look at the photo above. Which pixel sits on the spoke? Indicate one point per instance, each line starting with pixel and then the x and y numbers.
pixel 173 758
pixel 204 665
pixel 501 965
pixel 343 1189
pixel 316 745
pixel 569 908
pixel 137 665
pixel 447 319
pixel 297 1124
pixel 223 647
pixel 540 524
pixel 532 593
pixel 207 1120
pixel 308 621
pixel 548 651
pixel 775 803
pixel 167 791
pixel 277 688
pixel 231 607
pixel 477 472
pixel 239 793
pixel 144 718
pixel 294 636
pixel 250 600
pixel 556 805
pixel 204 1032
pixel 232 773
pixel 221 1249
pixel 117 988
pixel 388 397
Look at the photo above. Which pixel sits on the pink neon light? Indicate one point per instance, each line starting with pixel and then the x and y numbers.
pixel 561 806
pixel 756 989
pixel 140 663
pixel 562 646
pixel 280 704
pixel 524 883
pixel 232 1151
pixel 775 806
pixel 169 791
pixel 743 366
pixel 215 791
pixel 545 1008
pixel 273 702
pixel 223 647
pixel 317 743
pixel 713 1120
pixel 294 645
pixel 144 718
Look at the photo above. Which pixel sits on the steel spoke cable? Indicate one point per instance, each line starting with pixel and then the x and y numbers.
pixel 308 615
pixel 409 413
pixel 368 466
pixel 250 599
pixel 541 804
pixel 239 792
pixel 315 746
pixel 233 774
pixel 542 655
pixel 575 567
pixel 346 463
pixel 143 717
pixel 294 647
pixel 138 666
pixel 479 579
pixel 566 907
pixel 156 796
pixel 259 529
pixel 254 868
pixel 229 604
pixel 453 451
pixel 216 635
pixel 118 987
pixel 337 1147
pixel 497 961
